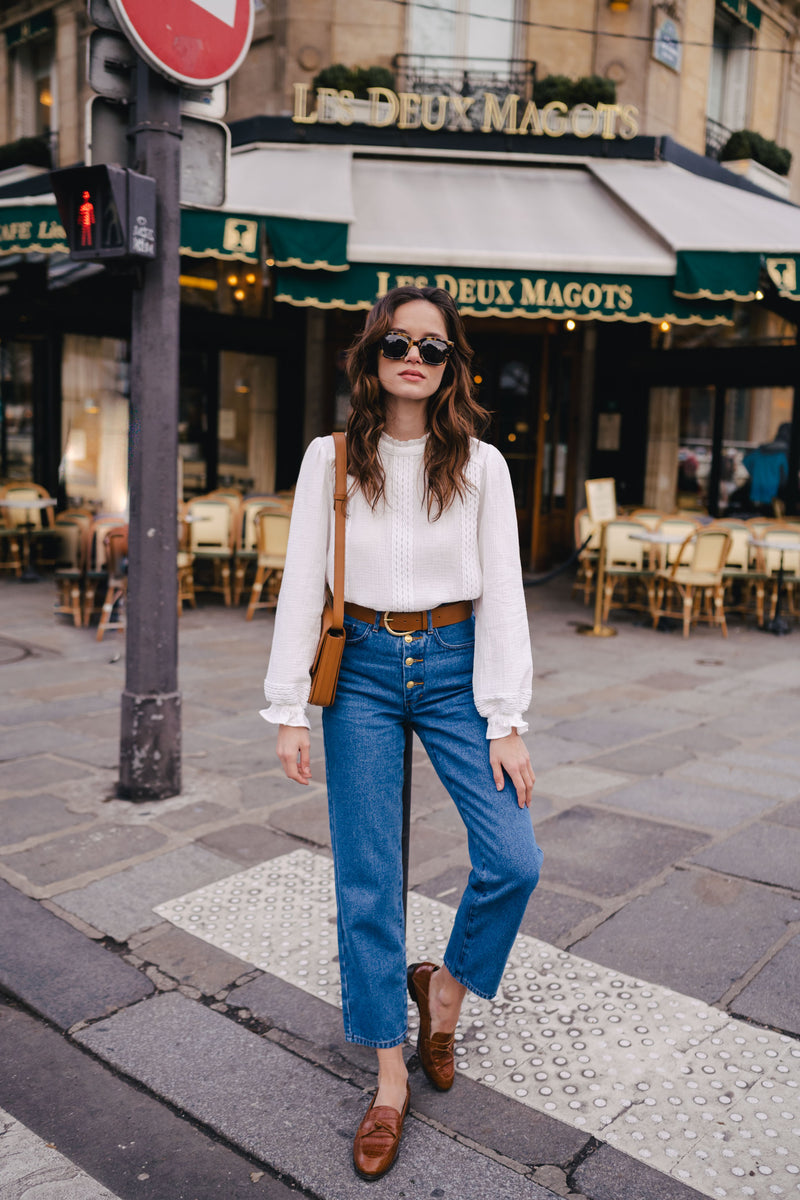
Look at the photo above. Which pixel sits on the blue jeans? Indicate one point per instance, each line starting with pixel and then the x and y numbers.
pixel 364 741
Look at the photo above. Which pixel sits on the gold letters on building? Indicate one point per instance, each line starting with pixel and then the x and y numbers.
pixel 409 110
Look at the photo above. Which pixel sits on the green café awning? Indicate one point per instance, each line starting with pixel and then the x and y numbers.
pixel 310 245
pixel 745 10
pixel 508 293
pixel 34 226
pixel 210 233
pixel 31 228
pixel 723 237
pixel 717 275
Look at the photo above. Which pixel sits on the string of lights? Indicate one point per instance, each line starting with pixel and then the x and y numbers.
pixel 605 33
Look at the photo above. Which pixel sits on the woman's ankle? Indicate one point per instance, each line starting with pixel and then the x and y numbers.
pixel 448 993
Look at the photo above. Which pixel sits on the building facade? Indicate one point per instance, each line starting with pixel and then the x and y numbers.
pixel 577 146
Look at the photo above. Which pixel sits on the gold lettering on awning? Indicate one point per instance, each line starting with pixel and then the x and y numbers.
pixel 543 293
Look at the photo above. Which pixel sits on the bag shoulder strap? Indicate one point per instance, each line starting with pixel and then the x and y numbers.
pixel 339 508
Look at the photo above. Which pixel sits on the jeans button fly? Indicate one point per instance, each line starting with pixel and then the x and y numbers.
pixel 409 637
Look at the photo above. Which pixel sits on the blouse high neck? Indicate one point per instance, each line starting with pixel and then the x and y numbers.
pixel 411 446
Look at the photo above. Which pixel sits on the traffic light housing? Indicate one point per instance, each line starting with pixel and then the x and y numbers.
pixel 107 212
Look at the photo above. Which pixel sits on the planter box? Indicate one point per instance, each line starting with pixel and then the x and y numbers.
pixel 762 176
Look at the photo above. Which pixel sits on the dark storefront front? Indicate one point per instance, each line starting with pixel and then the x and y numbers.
pixel 602 309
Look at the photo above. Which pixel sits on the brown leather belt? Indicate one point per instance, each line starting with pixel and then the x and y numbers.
pixel 407 622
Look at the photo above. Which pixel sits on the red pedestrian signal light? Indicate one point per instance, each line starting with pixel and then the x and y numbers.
pixel 107 212
pixel 86 220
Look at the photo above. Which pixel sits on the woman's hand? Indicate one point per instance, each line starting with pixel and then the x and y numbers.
pixel 294 751
pixel 510 754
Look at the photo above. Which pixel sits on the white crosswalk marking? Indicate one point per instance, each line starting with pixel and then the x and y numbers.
pixel 667 1079
pixel 223 10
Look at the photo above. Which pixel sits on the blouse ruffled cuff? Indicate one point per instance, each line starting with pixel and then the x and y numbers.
pixel 285 714
pixel 502 724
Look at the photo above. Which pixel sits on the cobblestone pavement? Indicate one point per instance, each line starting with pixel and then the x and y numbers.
pixel 170 1022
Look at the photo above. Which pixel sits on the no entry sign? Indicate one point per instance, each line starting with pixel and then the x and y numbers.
pixel 196 42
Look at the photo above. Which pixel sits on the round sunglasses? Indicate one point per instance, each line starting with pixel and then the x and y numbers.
pixel 432 350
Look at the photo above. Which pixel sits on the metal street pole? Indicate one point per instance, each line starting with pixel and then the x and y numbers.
pixel 150 739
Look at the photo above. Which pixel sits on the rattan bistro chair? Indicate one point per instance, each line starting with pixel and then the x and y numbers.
pixel 70 544
pixel 95 573
pixel 272 528
pixel 10 553
pixel 651 517
pixel 587 557
pixel 211 525
pixel 682 528
pixel 694 590
pixel 625 572
pixel 116 556
pixel 24 525
pixel 245 551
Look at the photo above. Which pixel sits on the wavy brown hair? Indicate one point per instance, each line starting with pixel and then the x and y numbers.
pixel 454 416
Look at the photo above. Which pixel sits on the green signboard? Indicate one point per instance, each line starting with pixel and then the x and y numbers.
pixel 717 274
pixel 31 228
pixel 508 293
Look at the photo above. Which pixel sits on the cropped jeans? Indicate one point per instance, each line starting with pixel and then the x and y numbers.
pixel 423 681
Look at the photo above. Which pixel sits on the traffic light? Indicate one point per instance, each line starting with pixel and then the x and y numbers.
pixel 107 212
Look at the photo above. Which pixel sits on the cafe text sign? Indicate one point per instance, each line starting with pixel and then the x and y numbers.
pixel 485 111
pixel 31 228
pixel 571 295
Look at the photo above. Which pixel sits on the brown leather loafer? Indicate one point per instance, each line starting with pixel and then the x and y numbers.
pixel 377 1139
pixel 435 1049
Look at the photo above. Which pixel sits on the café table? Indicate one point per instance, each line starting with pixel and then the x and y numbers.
pixel 659 537
pixel 778 625
pixel 29 504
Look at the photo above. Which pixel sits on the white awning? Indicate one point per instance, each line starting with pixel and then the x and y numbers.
pixel 694 213
pixel 309 183
pixel 527 217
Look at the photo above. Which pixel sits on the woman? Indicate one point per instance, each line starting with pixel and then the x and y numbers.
pixel 436 639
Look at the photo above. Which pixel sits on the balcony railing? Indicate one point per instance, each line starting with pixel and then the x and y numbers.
pixel 439 75
pixel 716 137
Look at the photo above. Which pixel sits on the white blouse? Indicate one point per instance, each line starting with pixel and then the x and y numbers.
pixel 397 560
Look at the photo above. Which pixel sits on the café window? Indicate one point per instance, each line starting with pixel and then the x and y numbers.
pixel 463 31
pixel 729 79
pixel 32 79
pixel 16 410
pixel 753 417
pixel 95 383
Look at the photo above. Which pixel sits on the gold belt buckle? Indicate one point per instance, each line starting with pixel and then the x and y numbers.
pixel 386 625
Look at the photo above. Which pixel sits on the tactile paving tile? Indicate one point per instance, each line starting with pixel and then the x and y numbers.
pixel 662 1077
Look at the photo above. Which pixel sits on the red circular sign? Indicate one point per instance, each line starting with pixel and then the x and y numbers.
pixel 196 42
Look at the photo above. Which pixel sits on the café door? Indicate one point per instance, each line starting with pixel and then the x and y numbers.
pixel 508 373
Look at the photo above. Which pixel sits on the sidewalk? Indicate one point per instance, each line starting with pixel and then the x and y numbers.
pixel 170 1026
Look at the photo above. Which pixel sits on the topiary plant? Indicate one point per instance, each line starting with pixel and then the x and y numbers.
pixel 367 77
pixel 357 80
pixel 337 76
pixel 746 143
pixel 589 89
pixel 594 90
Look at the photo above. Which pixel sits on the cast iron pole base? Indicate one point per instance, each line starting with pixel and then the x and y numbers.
pixel 150 747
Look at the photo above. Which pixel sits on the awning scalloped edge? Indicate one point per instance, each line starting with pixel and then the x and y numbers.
pixel 319 265
pixel 561 315
pixel 705 294
pixel 214 252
